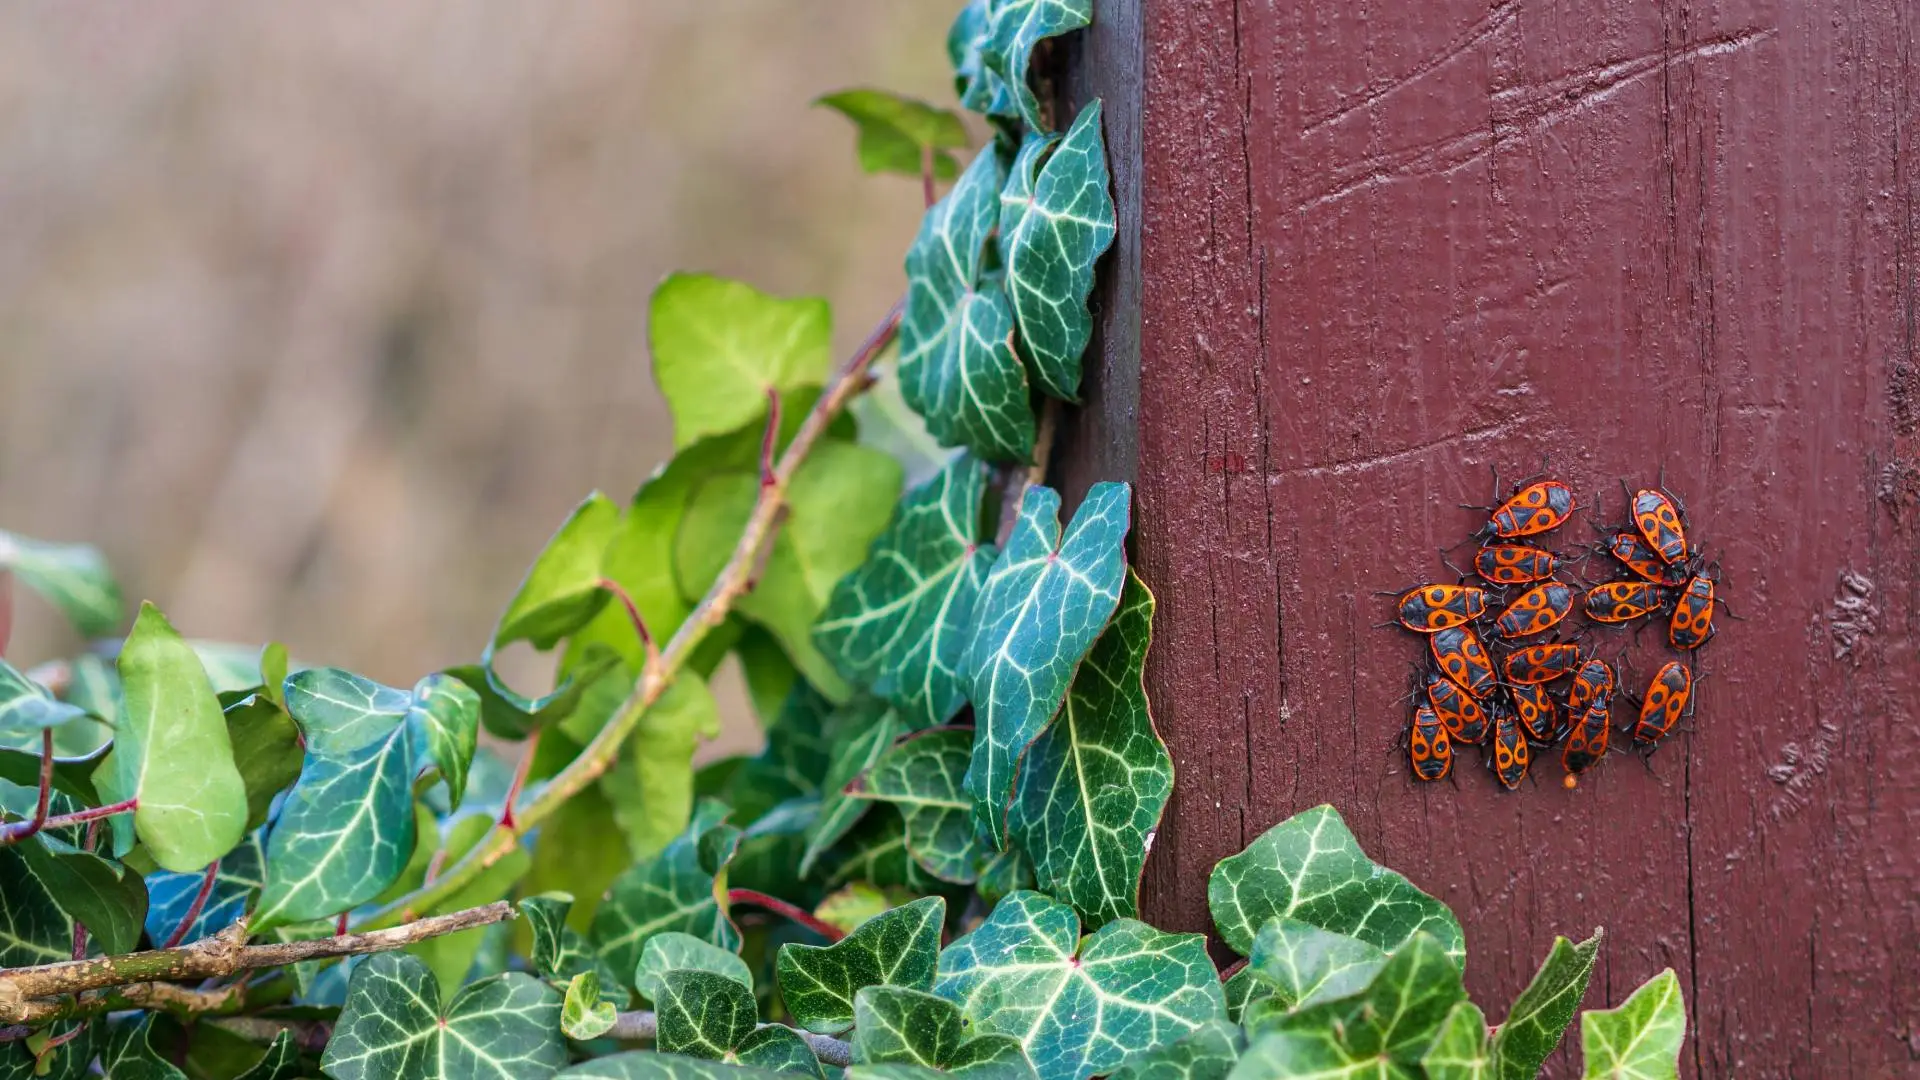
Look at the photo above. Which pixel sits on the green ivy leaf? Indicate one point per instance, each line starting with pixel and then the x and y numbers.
pixel 651 786
pixel 839 811
pixel 1312 1055
pixel 71 1060
pixel 1016 195
pixel 1243 988
pixel 451 957
pixel 171 752
pixel 73 577
pixel 582 1014
pixel 393 1027
pixel 977 88
pixel 130 1054
pixel 647 1065
pixel 900 947
pixel 1542 1012
pixel 1208 1053
pixel 1052 243
pixel 1304 965
pixel 682 888
pixel 840 499
pixel 1017 27
pixel 1641 1039
pixel 1003 873
pixel 1394 1017
pixel 443 720
pixel 1078 1007
pixel 1092 786
pixel 895 1025
pixel 958 369
pixel 922 776
pixel 27 708
pixel 1045 603
pixel 706 1015
pixel 876 853
pixel 108 898
pixel 170 896
pixel 719 346
pixel 1460 1051
pixel 895 131
pixel 560 953
pixel 280 1062
pixel 1309 867
pixel 674 951
pixel 901 622
pixel 561 591
pixel 33 928
pixel 266 751
pixel 770 851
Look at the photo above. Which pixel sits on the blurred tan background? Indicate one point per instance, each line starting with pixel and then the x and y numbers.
pixel 320 318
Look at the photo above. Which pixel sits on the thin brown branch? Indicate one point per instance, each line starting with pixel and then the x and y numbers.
pixel 598 756
pixel 643 1025
pixel 222 954
pixel 926 176
pixel 169 997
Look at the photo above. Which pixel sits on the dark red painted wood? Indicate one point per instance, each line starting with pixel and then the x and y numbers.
pixel 1369 248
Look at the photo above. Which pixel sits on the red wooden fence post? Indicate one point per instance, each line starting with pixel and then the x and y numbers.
pixel 1367 250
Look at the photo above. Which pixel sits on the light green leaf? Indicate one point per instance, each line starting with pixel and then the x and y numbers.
pixel 895 131
pixel 845 909
pixel 562 590
pixel 1208 1053
pixel 582 1014
pixel 1019 25
pixel 902 621
pixel 1543 1010
pixel 108 898
pixel 958 369
pixel 840 500
pixel 719 346
pixel 266 750
pixel 839 811
pixel 443 720
pixel 894 1025
pixel 559 952
pixel 1052 244
pixel 900 947
pixel 1045 603
pixel 647 1065
pixel 171 752
pixel 1309 867
pixel 575 853
pixel 393 1027
pixel 27 708
pixel 1304 965
pixel 674 951
pixel 707 1015
pixel 651 786
pixel 1641 1039
pixel 1078 1007
pixel 1092 786
pixel 922 776
pixel 683 888
pixel 73 577
pixel 451 957
pixel 1312 1055
pixel 170 896
pixel 1460 1051
pixel 1395 1016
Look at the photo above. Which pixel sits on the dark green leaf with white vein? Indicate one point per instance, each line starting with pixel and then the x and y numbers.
pixel 1395 1016
pixel 958 369
pixel 1303 965
pixel 922 776
pixel 560 953
pixel 506 1027
pixel 707 1015
pixel 901 623
pixel 1209 1052
pixel 649 1065
pixel 1046 601
pixel 1016 27
pixel 674 951
pixel 1052 243
pixel 675 890
pixel 977 88
pixel 899 947
pixel 1092 786
pixel 1078 1006
pixel 1641 1039
pixel 1460 1051
pixel 839 811
pixel 894 1025
pixel 1310 867
pixel 105 896
pixel 1543 1010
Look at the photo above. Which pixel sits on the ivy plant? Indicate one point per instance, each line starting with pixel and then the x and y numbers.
pixel 219 863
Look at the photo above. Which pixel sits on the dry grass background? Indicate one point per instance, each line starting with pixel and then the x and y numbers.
pixel 319 318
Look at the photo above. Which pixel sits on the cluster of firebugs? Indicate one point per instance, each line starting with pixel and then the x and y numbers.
pixel 1493 679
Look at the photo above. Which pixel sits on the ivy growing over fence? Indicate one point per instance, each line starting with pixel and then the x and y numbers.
pixel 224 862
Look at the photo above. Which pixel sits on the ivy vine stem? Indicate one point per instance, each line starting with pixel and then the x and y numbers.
pixel 735 580
pixel 791 911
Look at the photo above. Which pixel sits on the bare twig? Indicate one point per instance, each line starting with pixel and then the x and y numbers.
pixel 222 954
pixel 637 1026
pixel 598 756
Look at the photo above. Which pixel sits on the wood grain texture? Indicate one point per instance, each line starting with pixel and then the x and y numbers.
pixel 1369 249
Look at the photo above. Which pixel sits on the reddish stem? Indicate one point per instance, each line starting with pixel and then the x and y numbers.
pixel 519 780
pixel 340 925
pixel 770 440
pixel 194 909
pixel 62 1039
pixel 14 832
pixel 781 907
pixel 926 176
pixel 633 613
pixel 18 830
pixel 79 940
pixel 1232 969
